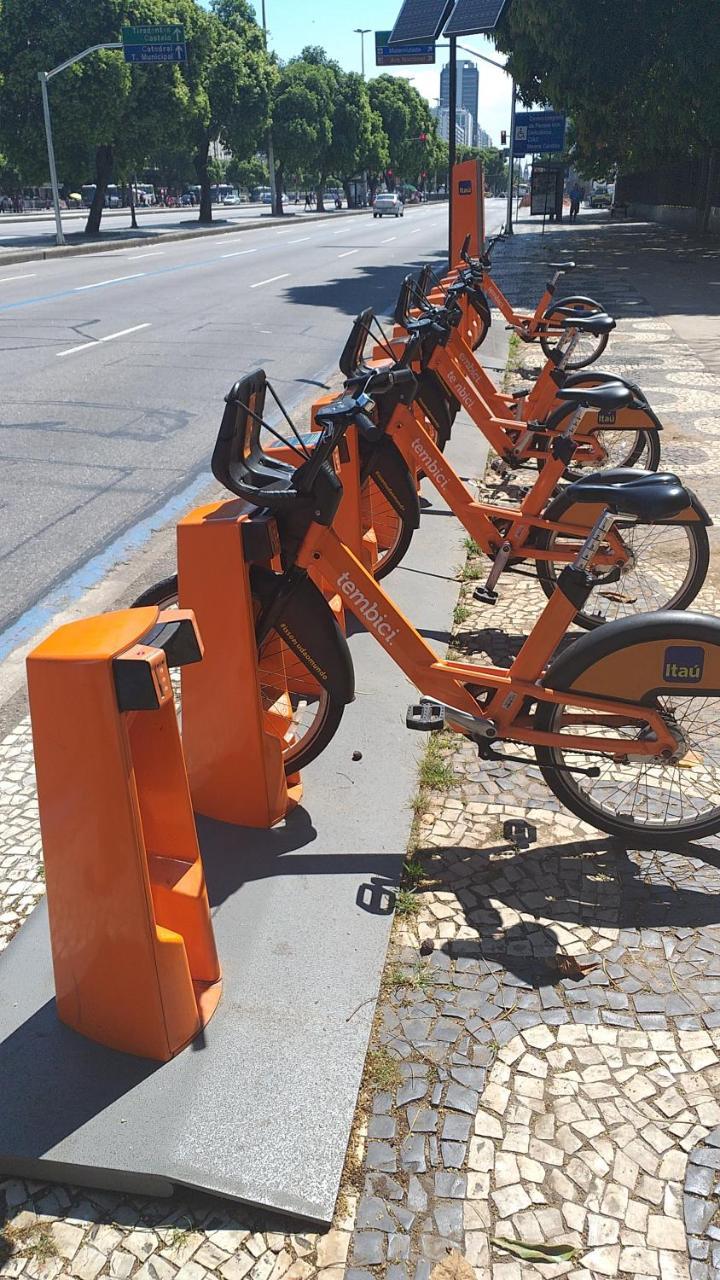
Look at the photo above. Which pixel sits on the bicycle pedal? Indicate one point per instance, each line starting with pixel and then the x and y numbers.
pixel 425 717
pixel 485 595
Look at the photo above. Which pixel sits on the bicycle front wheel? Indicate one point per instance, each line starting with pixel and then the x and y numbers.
pixel 295 705
pixel 642 799
pixel 588 348
pixel 666 568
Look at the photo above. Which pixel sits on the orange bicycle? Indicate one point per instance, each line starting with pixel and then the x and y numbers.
pixel 623 724
pixel 544 324
pixel 623 436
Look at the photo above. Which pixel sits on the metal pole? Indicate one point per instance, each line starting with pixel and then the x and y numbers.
pixel 452 139
pixel 42 75
pixel 362 32
pixel 511 165
pixel 270 149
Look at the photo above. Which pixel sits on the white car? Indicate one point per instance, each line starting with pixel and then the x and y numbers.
pixel 388 203
pixel 232 200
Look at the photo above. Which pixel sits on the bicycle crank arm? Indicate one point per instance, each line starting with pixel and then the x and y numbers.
pixel 428 717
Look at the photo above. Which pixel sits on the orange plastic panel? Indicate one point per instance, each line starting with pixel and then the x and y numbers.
pixel 130 971
pixel 232 744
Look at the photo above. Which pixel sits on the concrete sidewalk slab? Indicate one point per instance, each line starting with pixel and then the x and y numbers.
pixel 260 1107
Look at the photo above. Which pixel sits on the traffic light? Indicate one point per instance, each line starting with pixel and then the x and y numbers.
pixel 503 138
pixel 423 137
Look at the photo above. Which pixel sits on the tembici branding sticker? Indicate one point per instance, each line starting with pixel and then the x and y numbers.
pixel 683 664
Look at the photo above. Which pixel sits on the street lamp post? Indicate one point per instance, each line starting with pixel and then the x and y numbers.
pixel 43 77
pixel 362 32
pixel 270 148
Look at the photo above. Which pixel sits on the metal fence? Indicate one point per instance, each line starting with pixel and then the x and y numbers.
pixel 693 183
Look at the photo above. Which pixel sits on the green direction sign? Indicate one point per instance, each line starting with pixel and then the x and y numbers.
pixel 154 44
pixel 154 35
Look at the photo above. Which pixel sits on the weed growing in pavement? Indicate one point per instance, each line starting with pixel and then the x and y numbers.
pixel 470 572
pixel 382 1071
pixel 413 871
pixel 436 773
pixel 471 547
pixel 36 1242
pixel 460 614
pixel 406 904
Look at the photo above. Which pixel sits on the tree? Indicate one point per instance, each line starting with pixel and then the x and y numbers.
pixel 302 122
pixel 407 123
pixel 100 105
pixel 639 77
pixel 359 143
pixel 228 82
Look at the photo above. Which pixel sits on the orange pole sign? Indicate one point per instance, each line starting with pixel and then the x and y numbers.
pixel 468 208
pixel 132 943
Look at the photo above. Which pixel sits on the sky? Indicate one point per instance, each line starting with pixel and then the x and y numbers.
pixel 292 24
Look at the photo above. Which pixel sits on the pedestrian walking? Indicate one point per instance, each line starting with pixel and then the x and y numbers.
pixel 576 194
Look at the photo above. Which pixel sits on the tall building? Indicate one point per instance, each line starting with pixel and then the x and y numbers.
pixel 468 91
pixel 464 126
pixel 482 139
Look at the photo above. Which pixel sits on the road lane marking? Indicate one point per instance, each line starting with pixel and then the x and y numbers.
pixel 417 231
pixel 80 288
pixel 109 338
pixel 239 253
pixel 347 255
pixel 340 231
pixel 8 279
pixel 272 280
pixel 149 253
pixel 389 240
pixel 300 241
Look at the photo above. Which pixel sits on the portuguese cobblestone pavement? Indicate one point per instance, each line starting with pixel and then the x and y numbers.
pixel 546 1057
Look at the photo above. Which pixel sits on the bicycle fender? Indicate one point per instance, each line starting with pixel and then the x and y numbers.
pixel 480 304
pixel 633 659
pixel 583 378
pixel 308 627
pixel 385 463
pixel 573 301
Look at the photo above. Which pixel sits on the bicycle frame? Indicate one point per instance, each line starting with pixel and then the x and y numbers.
pixel 447 682
pixel 421 452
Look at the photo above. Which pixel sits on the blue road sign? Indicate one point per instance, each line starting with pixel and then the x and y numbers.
pixel 539 132
pixel 147 53
pixel 401 55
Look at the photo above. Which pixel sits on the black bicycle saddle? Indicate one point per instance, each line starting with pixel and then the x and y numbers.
pixel 608 398
pixel 647 496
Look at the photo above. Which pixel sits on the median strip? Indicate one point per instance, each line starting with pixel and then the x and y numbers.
pixel 96 342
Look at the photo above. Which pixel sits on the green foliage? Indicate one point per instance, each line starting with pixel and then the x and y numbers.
pixel 405 116
pixel 639 77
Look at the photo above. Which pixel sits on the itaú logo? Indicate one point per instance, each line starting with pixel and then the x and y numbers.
pixel 366 608
pixel 462 392
pixel 430 466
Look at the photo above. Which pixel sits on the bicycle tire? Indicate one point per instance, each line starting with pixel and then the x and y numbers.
pixel 588 308
pixel 323 727
pixel 604 663
pixel 393 531
pixel 682 597
pixel 643 448
pixel 390 503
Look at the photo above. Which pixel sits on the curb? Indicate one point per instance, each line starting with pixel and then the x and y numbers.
pixel 71 250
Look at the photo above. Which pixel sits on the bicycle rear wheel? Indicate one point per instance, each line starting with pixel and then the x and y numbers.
pixel 296 707
pixel 643 800
pixel 667 567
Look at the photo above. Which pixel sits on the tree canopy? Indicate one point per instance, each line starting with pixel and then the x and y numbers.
pixel 638 77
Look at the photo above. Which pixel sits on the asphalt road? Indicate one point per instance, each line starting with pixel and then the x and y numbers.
pixel 38 230
pixel 115 367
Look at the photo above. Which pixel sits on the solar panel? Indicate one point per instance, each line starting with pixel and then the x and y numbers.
pixel 420 20
pixel 471 17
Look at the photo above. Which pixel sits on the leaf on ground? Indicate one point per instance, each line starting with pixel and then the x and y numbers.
pixel 536 1252
pixel 689 760
pixel 454 1267
pixel 569 967
pixel 618 597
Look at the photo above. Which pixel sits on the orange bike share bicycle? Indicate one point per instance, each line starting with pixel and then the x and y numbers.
pixel 626 436
pixel 623 724
pixel 638 567
pixel 543 325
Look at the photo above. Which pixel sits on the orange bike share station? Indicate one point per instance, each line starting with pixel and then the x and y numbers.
pixel 192 1003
